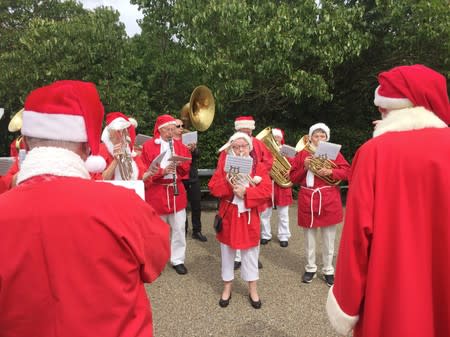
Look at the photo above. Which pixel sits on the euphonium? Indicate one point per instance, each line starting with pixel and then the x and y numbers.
pixel 281 166
pixel 124 161
pixel 317 163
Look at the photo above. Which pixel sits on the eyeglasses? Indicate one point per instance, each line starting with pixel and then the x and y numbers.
pixel 240 147
pixel 180 126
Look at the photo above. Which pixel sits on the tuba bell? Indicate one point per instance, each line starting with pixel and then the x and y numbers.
pixel 281 166
pixel 317 163
pixel 15 124
pixel 199 111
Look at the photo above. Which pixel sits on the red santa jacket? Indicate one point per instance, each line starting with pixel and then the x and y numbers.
pixel 159 191
pixel 75 263
pixel 392 275
pixel 240 231
pixel 321 204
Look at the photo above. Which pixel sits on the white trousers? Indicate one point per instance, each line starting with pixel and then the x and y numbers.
pixel 283 223
pixel 249 263
pixel 328 235
pixel 177 224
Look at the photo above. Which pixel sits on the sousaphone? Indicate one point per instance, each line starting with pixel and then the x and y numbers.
pixel 199 111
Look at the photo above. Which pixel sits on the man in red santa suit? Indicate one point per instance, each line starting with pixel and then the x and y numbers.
pixel 392 275
pixel 281 199
pixel 118 139
pixel 87 248
pixel 160 188
pixel 319 202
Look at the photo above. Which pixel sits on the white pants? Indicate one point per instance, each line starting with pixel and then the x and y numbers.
pixel 178 238
pixel 283 223
pixel 249 266
pixel 328 236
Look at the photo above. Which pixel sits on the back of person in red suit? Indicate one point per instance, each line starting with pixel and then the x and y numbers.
pixel 75 262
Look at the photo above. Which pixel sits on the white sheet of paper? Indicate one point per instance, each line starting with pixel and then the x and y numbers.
pixel 179 159
pixel 238 164
pixel 5 164
pixel 136 185
pixel 158 159
pixel 141 139
pixel 288 151
pixel 189 138
pixel 327 150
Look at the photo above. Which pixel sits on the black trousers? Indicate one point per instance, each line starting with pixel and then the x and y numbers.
pixel 194 196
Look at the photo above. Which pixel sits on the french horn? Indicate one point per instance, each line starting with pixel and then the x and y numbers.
pixel 317 163
pixel 281 166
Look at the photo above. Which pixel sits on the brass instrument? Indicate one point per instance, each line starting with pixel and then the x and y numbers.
pixel 317 163
pixel 199 111
pixel 281 166
pixel 15 124
pixel 124 161
pixel 236 178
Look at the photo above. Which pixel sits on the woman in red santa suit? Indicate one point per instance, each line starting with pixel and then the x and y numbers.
pixel 392 273
pixel 118 140
pixel 239 200
pixel 281 199
pixel 319 202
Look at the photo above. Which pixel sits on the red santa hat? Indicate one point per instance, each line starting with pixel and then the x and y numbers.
pixel 319 126
pixel 278 133
pixel 244 122
pixel 119 121
pixel 67 111
pixel 162 121
pixel 237 135
pixel 416 85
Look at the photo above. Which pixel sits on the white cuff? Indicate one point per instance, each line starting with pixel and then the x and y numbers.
pixel 340 321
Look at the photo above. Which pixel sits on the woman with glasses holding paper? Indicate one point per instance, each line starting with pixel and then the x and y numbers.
pixel 242 185
pixel 319 198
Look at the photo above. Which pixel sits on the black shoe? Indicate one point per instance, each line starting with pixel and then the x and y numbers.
pixel 199 236
pixel 259 265
pixel 224 303
pixel 284 244
pixel 180 269
pixel 237 265
pixel 255 304
pixel 264 241
pixel 329 279
pixel 308 277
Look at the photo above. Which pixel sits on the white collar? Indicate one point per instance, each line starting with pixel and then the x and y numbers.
pixel 54 161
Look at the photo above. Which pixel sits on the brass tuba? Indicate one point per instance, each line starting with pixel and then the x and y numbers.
pixel 199 111
pixel 281 166
pixel 317 163
pixel 15 124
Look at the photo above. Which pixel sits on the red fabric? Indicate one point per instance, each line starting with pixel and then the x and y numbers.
pixel 156 187
pixel 237 232
pixel 160 121
pixel 421 85
pixel 330 201
pixel 75 263
pixel 394 258
pixel 282 195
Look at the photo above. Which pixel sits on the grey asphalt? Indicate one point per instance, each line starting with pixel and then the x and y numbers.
pixel 187 305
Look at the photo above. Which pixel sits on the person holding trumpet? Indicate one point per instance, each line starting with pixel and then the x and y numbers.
pixel 240 195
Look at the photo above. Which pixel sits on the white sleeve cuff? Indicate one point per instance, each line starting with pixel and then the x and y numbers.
pixel 340 321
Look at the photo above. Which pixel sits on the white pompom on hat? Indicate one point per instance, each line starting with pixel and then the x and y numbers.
pixel 237 135
pixel 319 126
pixel 67 111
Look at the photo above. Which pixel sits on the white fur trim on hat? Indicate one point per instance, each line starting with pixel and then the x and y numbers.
pixel 237 135
pixel 244 124
pixel 391 103
pixel 318 126
pixel 341 322
pixel 54 126
pixel 167 123
pixel 133 121
pixel 277 132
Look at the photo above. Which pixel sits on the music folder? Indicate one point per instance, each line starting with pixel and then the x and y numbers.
pixel 327 150
pixel 5 164
pixel 141 139
pixel 189 138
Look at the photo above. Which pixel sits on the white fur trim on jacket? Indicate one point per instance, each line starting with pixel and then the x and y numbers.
pixel 54 161
pixel 408 119
pixel 340 321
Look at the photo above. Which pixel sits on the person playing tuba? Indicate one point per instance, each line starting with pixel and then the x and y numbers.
pixel 319 202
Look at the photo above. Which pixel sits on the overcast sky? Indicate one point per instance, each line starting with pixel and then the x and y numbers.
pixel 128 13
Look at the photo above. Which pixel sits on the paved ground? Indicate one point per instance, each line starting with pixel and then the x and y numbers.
pixel 185 306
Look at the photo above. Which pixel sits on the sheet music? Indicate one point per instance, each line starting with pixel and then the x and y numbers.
pixel 288 151
pixel 141 139
pixel 136 185
pixel 238 164
pixel 158 159
pixel 189 138
pixel 5 164
pixel 2 112
pixel 179 159
pixel 327 150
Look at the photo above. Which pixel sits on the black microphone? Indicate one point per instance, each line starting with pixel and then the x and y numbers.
pixel 175 186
